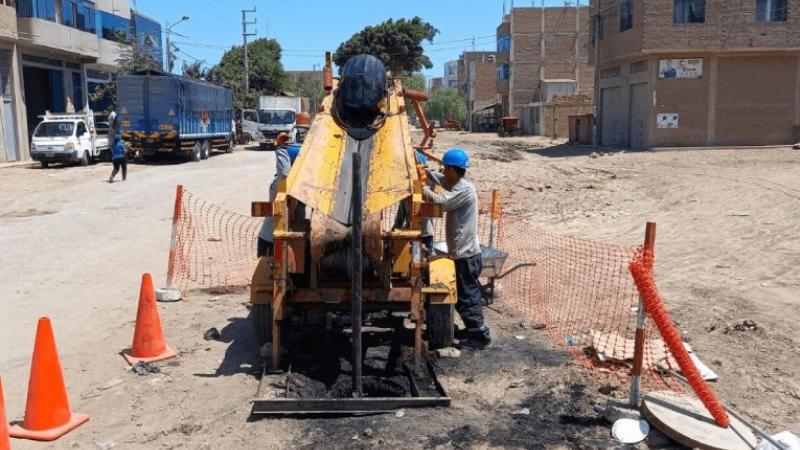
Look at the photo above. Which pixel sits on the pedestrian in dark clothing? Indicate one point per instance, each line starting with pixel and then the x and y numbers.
pixel 118 158
pixel 460 202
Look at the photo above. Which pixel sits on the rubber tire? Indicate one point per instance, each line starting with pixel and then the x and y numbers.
pixel 439 323
pixel 231 144
pixel 196 153
pixel 261 320
pixel 45 164
pixel 85 158
pixel 206 149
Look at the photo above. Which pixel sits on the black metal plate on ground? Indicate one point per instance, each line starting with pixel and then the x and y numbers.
pixel 363 405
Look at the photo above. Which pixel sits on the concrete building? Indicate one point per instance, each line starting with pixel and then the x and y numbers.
pixel 450 79
pixel 699 73
pixel 477 85
pixel 55 51
pixel 543 53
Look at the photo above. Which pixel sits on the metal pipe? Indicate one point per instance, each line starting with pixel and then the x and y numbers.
pixel 638 349
pixel 357 265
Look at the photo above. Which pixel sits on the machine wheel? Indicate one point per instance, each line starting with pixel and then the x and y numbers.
pixel 197 152
pixel 440 325
pixel 261 318
pixel 206 149
pixel 85 159
pixel 45 164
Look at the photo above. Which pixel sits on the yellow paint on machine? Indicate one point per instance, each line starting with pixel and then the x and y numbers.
pixel 314 178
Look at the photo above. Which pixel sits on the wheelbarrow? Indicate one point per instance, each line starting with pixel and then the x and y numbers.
pixel 493 261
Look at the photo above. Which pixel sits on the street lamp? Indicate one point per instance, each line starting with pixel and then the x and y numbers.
pixel 170 58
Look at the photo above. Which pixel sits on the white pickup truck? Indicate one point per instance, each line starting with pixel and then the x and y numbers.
pixel 69 138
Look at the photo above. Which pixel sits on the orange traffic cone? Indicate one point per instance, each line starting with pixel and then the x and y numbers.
pixel 148 337
pixel 47 413
pixel 5 442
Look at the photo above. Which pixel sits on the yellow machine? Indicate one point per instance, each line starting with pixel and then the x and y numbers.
pixel 319 222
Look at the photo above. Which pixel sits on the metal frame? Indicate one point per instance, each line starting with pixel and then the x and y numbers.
pixel 348 406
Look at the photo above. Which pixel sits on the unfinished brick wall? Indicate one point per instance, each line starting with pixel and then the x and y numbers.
pixel 555 115
pixel 559 59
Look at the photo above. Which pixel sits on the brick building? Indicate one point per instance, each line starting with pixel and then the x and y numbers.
pixel 542 53
pixel 477 85
pixel 699 72
pixel 436 83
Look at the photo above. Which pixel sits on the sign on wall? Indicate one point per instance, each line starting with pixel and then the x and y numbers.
pixel 680 69
pixel 667 120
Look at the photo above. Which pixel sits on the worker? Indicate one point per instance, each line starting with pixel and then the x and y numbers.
pixel 118 158
pixel 426 225
pixel 282 165
pixel 460 202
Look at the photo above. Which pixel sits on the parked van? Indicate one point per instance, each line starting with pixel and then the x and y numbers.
pixel 70 138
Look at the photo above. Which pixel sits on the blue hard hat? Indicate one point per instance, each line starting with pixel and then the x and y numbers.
pixel 293 151
pixel 456 157
pixel 421 157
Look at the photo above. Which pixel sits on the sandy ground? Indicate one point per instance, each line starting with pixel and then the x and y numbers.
pixel 74 248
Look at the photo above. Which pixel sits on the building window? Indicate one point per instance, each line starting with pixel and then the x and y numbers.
pixel 147 33
pixel 40 9
pixel 639 66
pixel 114 28
pixel 689 11
pixel 771 10
pixel 626 15
pixel 79 14
pixel 504 43
pixel 503 71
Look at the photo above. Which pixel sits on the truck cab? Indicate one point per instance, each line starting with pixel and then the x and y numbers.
pixel 277 114
pixel 70 138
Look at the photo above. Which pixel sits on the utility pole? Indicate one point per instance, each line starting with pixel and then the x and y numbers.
pixel 245 34
pixel 170 57
pixel 597 24
pixel 577 47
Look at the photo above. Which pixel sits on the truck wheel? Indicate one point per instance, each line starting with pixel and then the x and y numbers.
pixel 231 144
pixel 440 325
pixel 85 159
pixel 196 153
pixel 261 319
pixel 45 164
pixel 206 149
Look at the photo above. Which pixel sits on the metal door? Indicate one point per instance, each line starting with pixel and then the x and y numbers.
pixel 8 126
pixel 638 115
pixel 611 118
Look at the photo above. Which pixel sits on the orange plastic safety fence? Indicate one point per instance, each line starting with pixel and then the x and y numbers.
pixel 214 248
pixel 580 290
pixel 642 270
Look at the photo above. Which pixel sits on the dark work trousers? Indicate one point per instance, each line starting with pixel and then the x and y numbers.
pixel 120 163
pixel 264 248
pixel 469 295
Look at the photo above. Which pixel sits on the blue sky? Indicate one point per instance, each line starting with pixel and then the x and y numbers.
pixel 306 28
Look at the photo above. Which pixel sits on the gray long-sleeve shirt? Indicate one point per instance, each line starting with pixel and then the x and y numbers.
pixel 460 202
pixel 282 166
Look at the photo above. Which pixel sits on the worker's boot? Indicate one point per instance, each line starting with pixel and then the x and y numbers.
pixel 478 339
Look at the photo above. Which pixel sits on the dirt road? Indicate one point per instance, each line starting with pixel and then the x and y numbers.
pixel 74 248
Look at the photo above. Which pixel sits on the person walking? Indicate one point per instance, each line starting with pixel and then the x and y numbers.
pixel 460 202
pixel 283 162
pixel 118 158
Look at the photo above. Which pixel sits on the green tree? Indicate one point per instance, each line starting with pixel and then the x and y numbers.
pixel 267 76
pixel 306 84
pixel 398 43
pixel 195 70
pixel 446 103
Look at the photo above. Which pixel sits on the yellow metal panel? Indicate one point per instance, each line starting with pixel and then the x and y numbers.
pixel 443 273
